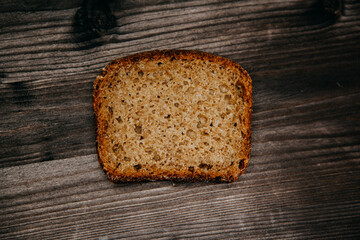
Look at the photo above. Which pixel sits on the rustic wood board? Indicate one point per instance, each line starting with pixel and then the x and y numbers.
pixel 304 176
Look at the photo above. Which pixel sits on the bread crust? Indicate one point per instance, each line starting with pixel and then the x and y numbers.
pixel 228 175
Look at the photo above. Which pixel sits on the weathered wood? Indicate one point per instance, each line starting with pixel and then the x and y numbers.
pixel 304 175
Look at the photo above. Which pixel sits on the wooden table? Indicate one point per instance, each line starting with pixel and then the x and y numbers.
pixel 304 176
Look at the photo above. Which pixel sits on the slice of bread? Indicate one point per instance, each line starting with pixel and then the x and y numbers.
pixel 173 115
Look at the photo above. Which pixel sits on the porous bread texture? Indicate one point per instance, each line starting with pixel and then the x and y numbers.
pixel 175 115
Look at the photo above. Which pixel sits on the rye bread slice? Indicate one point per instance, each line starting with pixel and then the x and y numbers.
pixel 173 115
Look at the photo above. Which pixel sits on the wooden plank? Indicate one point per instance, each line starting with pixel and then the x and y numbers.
pixel 47 77
pixel 55 198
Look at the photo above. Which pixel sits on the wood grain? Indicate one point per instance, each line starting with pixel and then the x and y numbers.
pixel 304 175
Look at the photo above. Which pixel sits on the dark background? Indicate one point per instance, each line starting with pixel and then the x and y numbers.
pixel 303 179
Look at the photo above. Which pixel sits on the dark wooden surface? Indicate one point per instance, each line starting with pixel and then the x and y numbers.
pixel 304 176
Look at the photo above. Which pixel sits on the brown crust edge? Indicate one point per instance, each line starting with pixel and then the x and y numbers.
pixel 231 176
